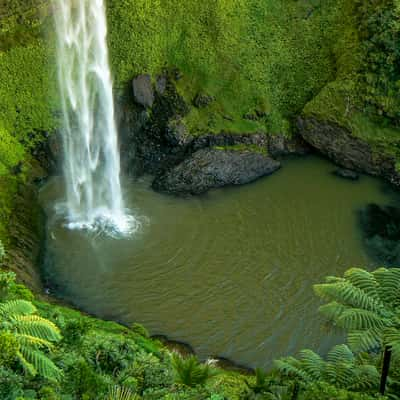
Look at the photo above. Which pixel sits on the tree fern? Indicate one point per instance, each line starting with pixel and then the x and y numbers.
pixel 341 369
pixel 366 305
pixel 363 303
pixel 16 308
pixel 33 334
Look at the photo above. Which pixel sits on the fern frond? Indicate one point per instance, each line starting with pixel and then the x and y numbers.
pixel 14 308
pixel 26 365
pixel 346 293
pixel 33 341
pixel 121 393
pixel 332 311
pixel 292 368
pixel 358 319
pixel 312 363
pixel 392 339
pixel 365 340
pixel 340 374
pixel 363 280
pixel 34 325
pixel 367 377
pixel 42 364
pixel 389 285
pixel 340 353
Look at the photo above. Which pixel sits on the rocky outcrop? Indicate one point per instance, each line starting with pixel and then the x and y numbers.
pixel 348 151
pixel 143 90
pixel 156 140
pixel 210 168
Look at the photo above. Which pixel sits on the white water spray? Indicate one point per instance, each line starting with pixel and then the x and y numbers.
pixel 91 164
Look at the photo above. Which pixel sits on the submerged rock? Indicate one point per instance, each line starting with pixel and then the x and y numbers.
pixel 346 174
pixel 381 231
pixel 211 168
pixel 143 90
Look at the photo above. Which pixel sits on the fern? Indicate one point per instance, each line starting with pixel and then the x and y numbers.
pixel 365 304
pixel 341 369
pixel 190 372
pixel 41 364
pixel 34 325
pixel 33 334
pixel 16 308
pixel 120 393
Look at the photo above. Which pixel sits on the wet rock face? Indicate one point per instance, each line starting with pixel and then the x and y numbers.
pixel 210 168
pixel 143 90
pixel 381 230
pixel 350 152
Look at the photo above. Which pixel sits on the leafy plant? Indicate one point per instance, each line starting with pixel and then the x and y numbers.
pixel 32 334
pixel 189 372
pixel 367 305
pixel 264 387
pixel 342 368
pixel 121 393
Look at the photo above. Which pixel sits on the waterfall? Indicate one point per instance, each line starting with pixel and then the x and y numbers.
pixel 91 156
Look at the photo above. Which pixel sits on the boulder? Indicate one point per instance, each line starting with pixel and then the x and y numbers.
pixel 381 231
pixel 212 168
pixel 143 90
pixel 202 100
pixel 346 174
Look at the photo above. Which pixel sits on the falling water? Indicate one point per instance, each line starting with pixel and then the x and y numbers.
pixel 91 165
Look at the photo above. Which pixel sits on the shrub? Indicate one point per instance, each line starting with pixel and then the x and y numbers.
pixel 189 372
pixel 380 31
pixel 9 347
pixel 323 391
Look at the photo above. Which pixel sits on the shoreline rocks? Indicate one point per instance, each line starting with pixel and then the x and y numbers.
pixel 210 168
pixel 348 151
pixel 346 174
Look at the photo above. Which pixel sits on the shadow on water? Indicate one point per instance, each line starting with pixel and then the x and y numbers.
pixel 230 272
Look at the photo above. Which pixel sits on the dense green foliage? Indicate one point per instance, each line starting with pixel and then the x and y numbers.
pixel 342 368
pixel 364 96
pixel 103 360
pixel 366 305
pixel 30 334
pixel 380 29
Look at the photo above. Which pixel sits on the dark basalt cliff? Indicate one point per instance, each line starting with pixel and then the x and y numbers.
pixel 155 140
pixel 346 150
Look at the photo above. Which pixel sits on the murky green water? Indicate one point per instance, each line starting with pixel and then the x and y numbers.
pixel 230 272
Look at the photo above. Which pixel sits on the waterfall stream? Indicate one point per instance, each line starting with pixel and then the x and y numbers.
pixel 91 156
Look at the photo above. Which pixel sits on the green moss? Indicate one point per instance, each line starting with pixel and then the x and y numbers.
pixel 363 97
pixel 270 56
pixel 252 148
pixel 28 91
